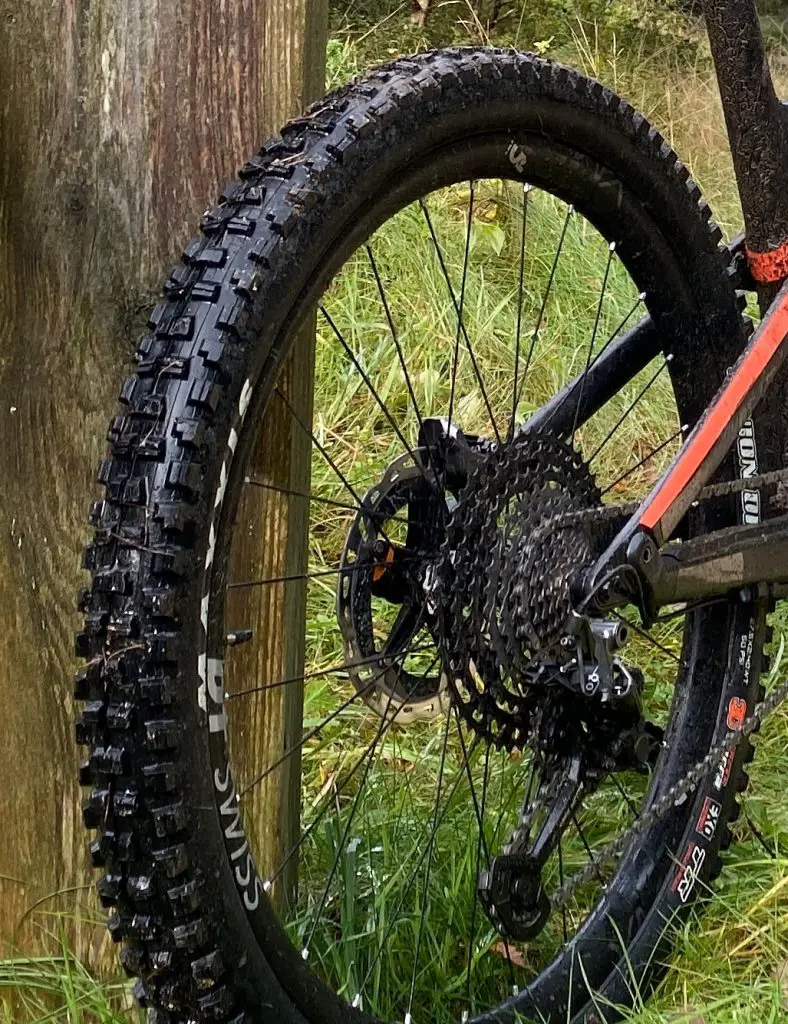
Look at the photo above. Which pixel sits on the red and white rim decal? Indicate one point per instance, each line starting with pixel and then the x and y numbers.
pixel 772 334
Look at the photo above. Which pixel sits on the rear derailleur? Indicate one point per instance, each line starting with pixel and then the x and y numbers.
pixel 591 725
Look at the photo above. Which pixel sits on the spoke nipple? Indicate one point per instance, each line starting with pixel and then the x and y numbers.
pixel 356 1001
pixel 247 479
pixel 571 208
pixel 267 885
pixel 684 428
pixel 515 990
pixel 642 297
pixel 304 953
pixel 670 357
pixel 612 247
pixel 240 636
pixel 464 1018
pixel 408 1018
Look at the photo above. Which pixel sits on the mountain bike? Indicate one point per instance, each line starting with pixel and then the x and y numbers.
pixel 422 662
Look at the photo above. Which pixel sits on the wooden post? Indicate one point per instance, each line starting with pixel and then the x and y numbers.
pixel 119 122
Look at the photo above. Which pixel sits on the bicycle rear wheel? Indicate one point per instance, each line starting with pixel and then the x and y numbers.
pixel 475 228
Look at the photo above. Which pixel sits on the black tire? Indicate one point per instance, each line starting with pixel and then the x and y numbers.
pixel 207 368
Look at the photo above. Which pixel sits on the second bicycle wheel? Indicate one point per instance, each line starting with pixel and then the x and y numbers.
pixel 370 817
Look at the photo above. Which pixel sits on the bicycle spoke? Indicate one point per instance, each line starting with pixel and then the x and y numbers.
pixel 545 296
pixel 480 820
pixel 630 409
pixel 610 254
pixel 370 387
pixel 481 841
pixel 453 297
pixel 395 337
pixel 518 331
pixel 644 460
pixel 318 498
pixel 318 728
pixel 586 846
pixel 317 673
pixel 412 879
pixel 431 849
pixel 625 320
pixel 466 763
pixel 321 448
pixel 647 636
pixel 625 795
pixel 319 573
pixel 385 726
pixel 461 309
pixel 564 929
pixel 351 817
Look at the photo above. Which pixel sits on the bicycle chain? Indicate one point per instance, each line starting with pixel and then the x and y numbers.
pixel 681 789
pixel 675 796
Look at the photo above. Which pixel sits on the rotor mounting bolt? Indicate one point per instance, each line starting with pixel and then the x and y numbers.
pixel 380 548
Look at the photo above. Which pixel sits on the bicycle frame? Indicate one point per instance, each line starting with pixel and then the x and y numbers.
pixel 727 560
pixel 758 133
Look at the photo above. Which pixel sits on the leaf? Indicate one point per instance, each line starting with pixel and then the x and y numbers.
pixel 543 45
pixel 489 238
pixel 509 953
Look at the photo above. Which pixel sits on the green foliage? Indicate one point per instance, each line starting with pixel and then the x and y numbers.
pixel 545 26
pixel 59 989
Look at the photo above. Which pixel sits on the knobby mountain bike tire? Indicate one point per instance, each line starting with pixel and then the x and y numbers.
pixel 188 905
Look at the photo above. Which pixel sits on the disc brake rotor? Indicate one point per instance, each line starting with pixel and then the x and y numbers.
pixel 373 566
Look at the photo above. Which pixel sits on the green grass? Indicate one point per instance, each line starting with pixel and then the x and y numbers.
pixel 724 968
pixel 55 988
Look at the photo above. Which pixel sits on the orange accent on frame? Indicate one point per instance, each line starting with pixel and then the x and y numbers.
pixel 767 341
pixel 769 267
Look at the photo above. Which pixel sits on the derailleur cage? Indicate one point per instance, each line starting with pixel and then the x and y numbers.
pixel 511 893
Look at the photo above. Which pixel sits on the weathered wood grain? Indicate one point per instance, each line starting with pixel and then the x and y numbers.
pixel 119 120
